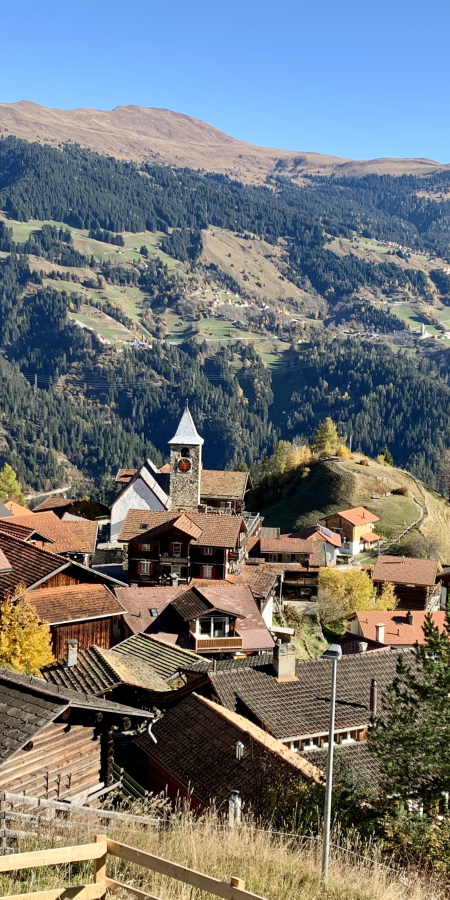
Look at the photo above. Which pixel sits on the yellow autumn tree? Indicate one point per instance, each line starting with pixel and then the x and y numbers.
pixel 9 485
pixel 25 644
pixel 387 599
pixel 300 455
pixel 326 438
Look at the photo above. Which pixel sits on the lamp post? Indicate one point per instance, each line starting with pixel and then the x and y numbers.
pixel 334 653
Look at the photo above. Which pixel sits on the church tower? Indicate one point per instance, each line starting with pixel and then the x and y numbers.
pixel 185 464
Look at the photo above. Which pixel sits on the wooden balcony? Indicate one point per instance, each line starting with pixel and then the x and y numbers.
pixel 177 560
pixel 234 642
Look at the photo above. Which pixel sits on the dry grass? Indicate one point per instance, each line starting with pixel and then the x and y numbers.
pixel 276 866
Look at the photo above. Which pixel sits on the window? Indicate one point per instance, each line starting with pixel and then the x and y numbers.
pixel 273 557
pixel 213 626
pixel 154 613
pixel 207 571
pixel 143 526
pixel 146 547
pixel 208 551
pixel 145 568
pixel 177 549
pixel 184 452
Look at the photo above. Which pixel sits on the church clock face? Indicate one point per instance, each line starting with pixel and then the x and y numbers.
pixel 184 465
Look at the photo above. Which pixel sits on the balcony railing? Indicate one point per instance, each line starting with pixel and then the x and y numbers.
pixel 174 559
pixel 234 642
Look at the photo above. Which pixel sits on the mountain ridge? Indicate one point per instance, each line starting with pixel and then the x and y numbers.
pixel 162 136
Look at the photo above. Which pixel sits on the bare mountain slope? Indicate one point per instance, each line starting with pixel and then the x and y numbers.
pixel 170 138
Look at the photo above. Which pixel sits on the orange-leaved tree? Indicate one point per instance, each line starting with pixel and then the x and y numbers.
pixel 25 643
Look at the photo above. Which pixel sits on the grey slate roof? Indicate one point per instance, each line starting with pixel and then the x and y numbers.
pixel 166 659
pixel 141 660
pixel 186 432
pixel 91 674
pixel 302 707
pixel 262 661
pixel 28 704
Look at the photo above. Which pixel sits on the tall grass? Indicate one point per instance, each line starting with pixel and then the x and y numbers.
pixel 279 866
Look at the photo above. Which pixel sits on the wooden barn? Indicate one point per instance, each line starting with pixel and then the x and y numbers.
pixel 56 743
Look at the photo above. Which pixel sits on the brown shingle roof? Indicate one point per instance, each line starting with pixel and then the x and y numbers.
pixel 406 570
pixel 299 708
pixel 30 564
pixel 182 523
pixel 318 533
pixel 54 503
pixel 125 475
pixel 260 581
pixel 196 743
pixel 217 530
pixel 223 485
pixel 232 599
pixel 75 602
pixel 285 544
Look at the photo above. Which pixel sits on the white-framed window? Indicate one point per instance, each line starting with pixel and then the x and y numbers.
pixel 213 627
pixel 177 549
pixel 273 557
pixel 175 570
pixel 207 571
pixel 146 546
pixel 145 567
pixel 208 551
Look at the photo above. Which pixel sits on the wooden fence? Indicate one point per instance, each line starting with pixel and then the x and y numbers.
pixel 99 852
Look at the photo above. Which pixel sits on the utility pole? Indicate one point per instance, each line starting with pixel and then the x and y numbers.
pixel 335 654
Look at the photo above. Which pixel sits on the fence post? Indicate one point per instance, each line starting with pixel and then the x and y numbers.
pixel 2 823
pixel 100 863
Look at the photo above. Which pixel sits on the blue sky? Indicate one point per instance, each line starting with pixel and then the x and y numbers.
pixel 354 79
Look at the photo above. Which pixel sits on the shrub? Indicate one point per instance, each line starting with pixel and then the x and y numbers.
pixel 364 462
pixel 402 491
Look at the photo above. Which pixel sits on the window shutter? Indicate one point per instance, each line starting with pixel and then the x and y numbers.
pixel 201 571
pixel 139 568
pixel 213 572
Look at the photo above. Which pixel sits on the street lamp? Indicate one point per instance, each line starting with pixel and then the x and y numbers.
pixel 334 653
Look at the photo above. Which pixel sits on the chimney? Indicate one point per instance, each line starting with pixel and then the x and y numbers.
pixel 72 653
pixel 409 618
pixel 379 632
pixel 174 580
pixel 284 662
pixel 362 646
pixel 373 697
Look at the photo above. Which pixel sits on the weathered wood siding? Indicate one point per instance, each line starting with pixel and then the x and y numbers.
pixel 98 632
pixel 64 760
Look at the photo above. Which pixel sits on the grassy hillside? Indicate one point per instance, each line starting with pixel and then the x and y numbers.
pixel 334 485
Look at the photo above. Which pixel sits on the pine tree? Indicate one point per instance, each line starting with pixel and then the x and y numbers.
pixel 25 644
pixel 411 734
pixel 9 485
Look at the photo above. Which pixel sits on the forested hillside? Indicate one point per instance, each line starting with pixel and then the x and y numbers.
pixel 69 396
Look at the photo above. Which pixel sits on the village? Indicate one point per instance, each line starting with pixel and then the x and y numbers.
pixel 170 633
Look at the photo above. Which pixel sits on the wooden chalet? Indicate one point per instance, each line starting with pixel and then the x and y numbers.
pixel 164 547
pixel 56 743
pixel 223 620
pixel 415 580
pixel 86 613
pixel 355 527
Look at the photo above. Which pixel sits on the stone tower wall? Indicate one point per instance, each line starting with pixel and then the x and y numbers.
pixel 185 486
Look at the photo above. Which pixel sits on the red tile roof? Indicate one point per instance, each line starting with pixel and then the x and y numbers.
pixel 357 516
pixel 61 534
pixel 397 630
pixel 75 602
pixel 406 570
pixel 16 508
pixel 86 530
pixel 217 530
pixel 370 538
pixel 317 533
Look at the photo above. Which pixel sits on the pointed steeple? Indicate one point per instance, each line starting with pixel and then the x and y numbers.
pixel 186 432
